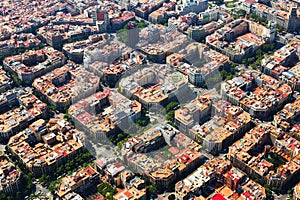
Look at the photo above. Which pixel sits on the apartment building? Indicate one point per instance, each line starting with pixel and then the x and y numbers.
pixel 143 8
pixel 267 141
pixel 157 42
pixel 131 194
pixel 19 42
pixel 60 142
pixel 27 17
pixel 11 177
pixel 78 181
pixel 226 180
pixel 284 64
pixel 127 63
pixel 241 38
pixel 163 13
pixel 115 111
pixel 56 35
pixel 258 94
pixel 75 51
pixel 187 6
pixel 34 63
pixel 19 108
pixel 66 85
pixel 283 118
pixel 5 81
pixel 195 112
pixel 198 62
pixel 286 15
pixel 296 194
pixel 163 171
pixel 154 86
pixel 221 131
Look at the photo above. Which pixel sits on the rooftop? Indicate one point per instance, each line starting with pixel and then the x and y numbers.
pixel 9 174
pixel 67 83
pixel 154 83
pixel 67 141
pixel 244 35
pixel 34 61
pixel 114 108
pixel 248 152
pixel 28 108
pixel 5 81
pixel 263 92
pixel 73 181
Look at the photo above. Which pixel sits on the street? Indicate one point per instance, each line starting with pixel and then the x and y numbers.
pixel 43 191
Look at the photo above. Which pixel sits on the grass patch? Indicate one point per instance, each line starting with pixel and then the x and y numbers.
pixel 107 190
pixel 166 153
pixel 230 5
pixel 275 159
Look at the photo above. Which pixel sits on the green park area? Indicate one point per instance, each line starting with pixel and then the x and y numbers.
pixel 275 159
pixel 107 191
pixel 230 5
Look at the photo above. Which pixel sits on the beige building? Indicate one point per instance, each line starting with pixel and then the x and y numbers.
pixel 45 157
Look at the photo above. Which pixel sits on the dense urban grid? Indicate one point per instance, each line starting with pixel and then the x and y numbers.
pixel 149 100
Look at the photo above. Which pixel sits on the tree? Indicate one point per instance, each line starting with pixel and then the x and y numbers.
pixel 171 106
pixel 251 60
pixel 43 179
pixel 253 66
pixel 172 197
pixel 268 47
pixel 107 190
pixel 223 74
pixel 229 77
pixel 232 70
pixel 67 117
pixel 52 187
pixel 280 29
pixel 162 21
pixel 3 196
pixel 120 31
pixel 259 52
pixel 241 12
pixel 16 80
pixel 170 116
pixel 268 190
pixel 18 195
pixel 142 24
pixel 152 188
pixel 141 122
pixel 233 64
